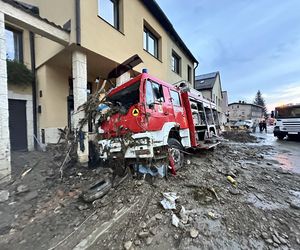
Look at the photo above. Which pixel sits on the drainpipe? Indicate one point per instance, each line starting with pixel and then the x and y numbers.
pixel 34 102
pixel 78 22
pixel 195 75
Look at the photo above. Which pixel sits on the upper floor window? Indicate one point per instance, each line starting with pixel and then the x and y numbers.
pixel 109 11
pixel 176 61
pixel 14 44
pixel 150 43
pixel 189 73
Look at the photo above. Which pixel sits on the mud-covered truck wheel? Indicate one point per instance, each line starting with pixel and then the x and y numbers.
pixel 175 150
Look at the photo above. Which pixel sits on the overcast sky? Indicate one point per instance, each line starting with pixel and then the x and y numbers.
pixel 255 44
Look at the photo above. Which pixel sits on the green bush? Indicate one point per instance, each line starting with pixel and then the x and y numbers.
pixel 18 73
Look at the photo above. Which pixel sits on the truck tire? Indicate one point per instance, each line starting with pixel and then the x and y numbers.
pixel 176 149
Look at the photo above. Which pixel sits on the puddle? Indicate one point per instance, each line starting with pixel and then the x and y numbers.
pixel 259 202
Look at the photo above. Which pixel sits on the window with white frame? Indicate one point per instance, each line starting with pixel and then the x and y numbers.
pixel 150 42
pixel 109 11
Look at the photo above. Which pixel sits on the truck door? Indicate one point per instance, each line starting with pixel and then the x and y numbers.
pixel 156 105
pixel 179 112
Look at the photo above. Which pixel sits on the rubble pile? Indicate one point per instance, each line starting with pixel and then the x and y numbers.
pixel 239 136
pixel 255 208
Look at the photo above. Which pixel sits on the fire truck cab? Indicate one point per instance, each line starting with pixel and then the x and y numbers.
pixel 154 116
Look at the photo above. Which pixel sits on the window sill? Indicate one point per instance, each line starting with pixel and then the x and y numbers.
pixel 152 55
pixel 111 25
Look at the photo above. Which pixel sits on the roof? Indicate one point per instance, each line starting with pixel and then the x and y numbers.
pixel 245 103
pixel 161 17
pixel 32 10
pixel 206 81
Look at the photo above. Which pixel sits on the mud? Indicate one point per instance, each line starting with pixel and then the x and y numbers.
pixel 259 213
pixel 243 136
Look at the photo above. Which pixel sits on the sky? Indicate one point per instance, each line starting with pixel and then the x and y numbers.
pixel 254 44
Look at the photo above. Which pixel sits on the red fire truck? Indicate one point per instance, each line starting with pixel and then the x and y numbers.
pixel 155 117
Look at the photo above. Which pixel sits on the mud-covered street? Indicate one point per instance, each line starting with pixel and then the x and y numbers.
pixel 257 208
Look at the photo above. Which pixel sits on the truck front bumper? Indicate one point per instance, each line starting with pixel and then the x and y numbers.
pixel 138 146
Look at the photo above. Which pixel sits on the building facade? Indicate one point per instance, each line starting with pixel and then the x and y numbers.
pixel 244 111
pixel 77 42
pixel 210 86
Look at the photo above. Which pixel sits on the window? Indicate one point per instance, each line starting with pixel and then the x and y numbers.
pixel 175 98
pixel 176 60
pixel 149 93
pixel 109 11
pixel 14 44
pixel 189 73
pixel 126 97
pixel 154 93
pixel 150 43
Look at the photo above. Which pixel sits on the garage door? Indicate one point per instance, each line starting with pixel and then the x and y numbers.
pixel 17 124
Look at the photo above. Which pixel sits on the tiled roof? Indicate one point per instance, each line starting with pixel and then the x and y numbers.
pixel 206 81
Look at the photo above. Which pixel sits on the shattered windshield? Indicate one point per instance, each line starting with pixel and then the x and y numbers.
pixel 288 112
pixel 126 97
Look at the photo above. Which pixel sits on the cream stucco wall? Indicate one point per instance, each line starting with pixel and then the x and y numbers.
pixel 100 37
pixel 59 12
pixel 217 94
pixel 53 84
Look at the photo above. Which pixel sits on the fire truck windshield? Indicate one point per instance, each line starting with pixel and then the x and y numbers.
pixel 288 112
pixel 126 97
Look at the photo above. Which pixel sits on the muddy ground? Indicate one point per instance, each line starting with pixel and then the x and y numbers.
pixel 261 212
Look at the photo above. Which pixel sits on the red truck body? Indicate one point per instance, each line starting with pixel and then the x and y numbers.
pixel 156 110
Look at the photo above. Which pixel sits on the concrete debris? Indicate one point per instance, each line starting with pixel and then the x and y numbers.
pixel 194 233
pixel 143 234
pixel 275 239
pixel 137 242
pixel 149 241
pixel 83 207
pixel 169 200
pixel 183 215
pixel 295 204
pixel 127 245
pixel 143 225
pixel 22 189
pixel 211 215
pixel 158 216
pixel 175 220
pixel 4 195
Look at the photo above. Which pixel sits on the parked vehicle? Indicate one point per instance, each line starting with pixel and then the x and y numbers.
pixel 243 124
pixel 287 121
pixel 156 120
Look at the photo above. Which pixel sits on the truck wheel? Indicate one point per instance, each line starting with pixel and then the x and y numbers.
pixel 176 149
pixel 280 137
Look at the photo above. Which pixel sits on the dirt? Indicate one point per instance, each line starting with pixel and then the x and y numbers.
pixel 243 136
pixel 260 212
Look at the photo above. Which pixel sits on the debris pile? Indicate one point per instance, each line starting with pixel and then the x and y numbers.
pixel 239 136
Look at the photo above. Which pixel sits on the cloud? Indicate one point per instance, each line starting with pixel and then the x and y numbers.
pixel 254 44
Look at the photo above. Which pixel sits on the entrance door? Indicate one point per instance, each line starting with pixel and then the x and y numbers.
pixel 17 124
